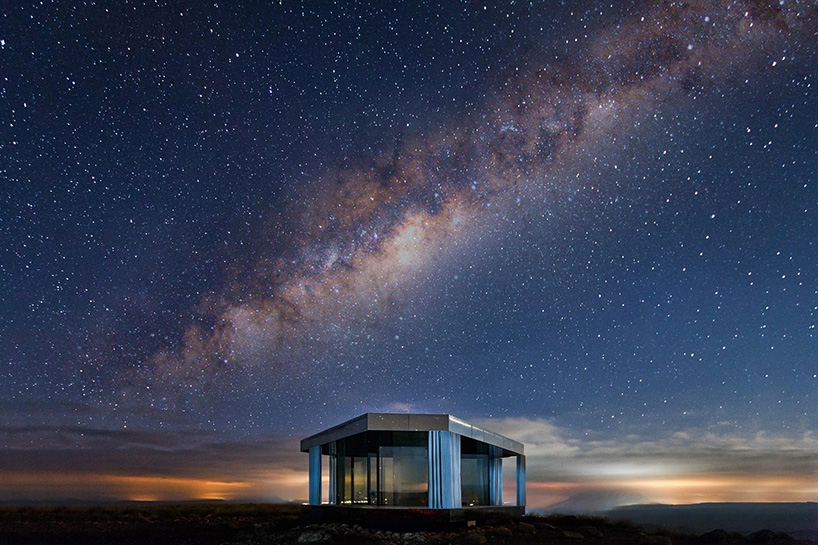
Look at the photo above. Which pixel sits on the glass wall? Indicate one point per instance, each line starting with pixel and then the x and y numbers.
pixel 382 468
pixel 474 479
pixel 360 478
pixel 404 476
pixel 391 469
pixel 474 472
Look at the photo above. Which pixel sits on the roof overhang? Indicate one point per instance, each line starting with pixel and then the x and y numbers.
pixel 410 422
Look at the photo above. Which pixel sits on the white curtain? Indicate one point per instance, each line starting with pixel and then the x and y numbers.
pixel 495 475
pixel 315 475
pixel 444 470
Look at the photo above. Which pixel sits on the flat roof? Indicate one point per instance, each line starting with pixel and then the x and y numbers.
pixel 410 422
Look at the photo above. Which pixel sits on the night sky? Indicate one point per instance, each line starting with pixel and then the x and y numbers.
pixel 590 227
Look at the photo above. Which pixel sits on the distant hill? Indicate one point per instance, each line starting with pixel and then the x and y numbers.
pixel 797 519
pixel 591 502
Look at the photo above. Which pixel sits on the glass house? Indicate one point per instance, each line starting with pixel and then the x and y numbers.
pixel 420 461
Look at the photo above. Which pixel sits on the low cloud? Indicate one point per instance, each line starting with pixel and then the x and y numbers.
pixel 58 463
pixel 681 466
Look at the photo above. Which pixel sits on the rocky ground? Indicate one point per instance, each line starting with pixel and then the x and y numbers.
pixel 228 524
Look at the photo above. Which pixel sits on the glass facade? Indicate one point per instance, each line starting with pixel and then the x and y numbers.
pixel 382 468
pixel 474 479
pixel 404 476
pixel 474 472
pixel 418 468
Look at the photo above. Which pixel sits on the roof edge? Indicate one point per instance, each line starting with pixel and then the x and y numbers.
pixel 410 422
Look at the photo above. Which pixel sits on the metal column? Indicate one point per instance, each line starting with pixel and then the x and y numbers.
pixel 521 480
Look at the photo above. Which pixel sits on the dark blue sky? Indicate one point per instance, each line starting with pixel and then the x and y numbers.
pixel 250 223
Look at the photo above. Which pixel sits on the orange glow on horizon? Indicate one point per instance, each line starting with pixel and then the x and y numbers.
pixel 687 489
pixel 57 486
pixel 726 488
pixel 287 483
pixel 159 488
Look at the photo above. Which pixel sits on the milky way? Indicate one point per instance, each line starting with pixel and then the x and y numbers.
pixel 359 240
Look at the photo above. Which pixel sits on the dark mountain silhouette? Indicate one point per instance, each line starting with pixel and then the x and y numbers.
pixel 593 501
pixel 797 519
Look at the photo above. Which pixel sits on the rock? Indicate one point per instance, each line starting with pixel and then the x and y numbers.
pixel 572 535
pixel 472 538
pixel 592 531
pixel 313 536
pixel 504 531
pixel 340 529
pixel 526 528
